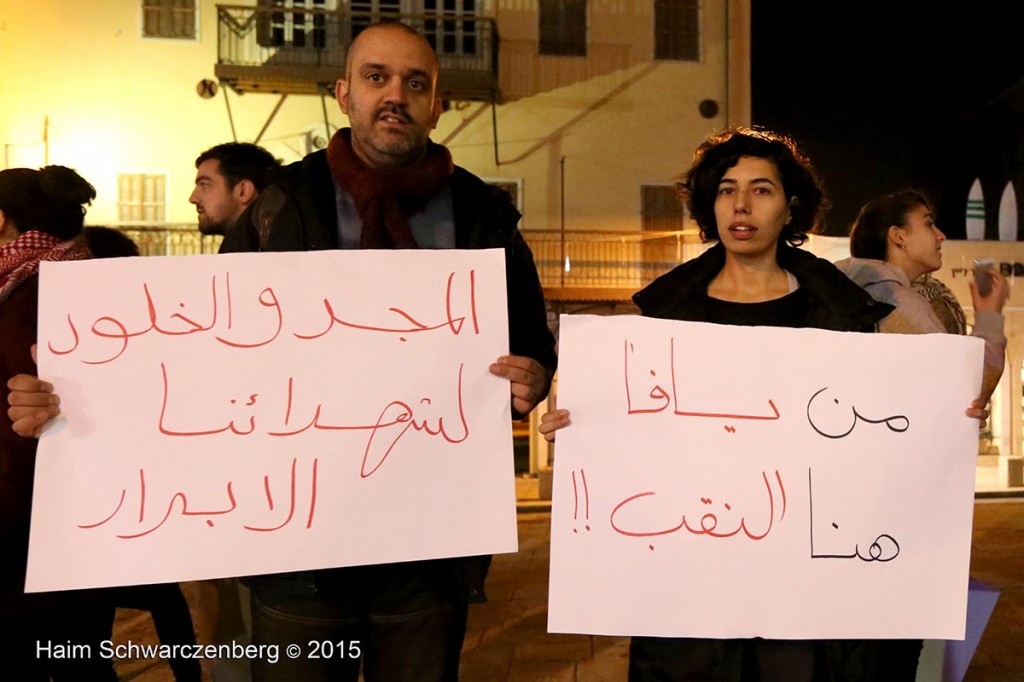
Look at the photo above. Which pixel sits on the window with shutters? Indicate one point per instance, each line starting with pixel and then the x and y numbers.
pixel 169 19
pixel 563 27
pixel 142 197
pixel 677 29
pixel 661 208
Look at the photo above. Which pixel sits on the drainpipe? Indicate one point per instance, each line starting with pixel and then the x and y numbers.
pixel 561 189
pixel 728 49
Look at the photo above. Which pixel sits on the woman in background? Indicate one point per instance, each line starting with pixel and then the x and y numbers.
pixel 894 243
pixel 41 212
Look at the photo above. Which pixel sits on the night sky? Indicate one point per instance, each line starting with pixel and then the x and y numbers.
pixel 870 92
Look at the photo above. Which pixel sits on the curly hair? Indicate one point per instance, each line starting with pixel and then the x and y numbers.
pixel 721 151
pixel 869 236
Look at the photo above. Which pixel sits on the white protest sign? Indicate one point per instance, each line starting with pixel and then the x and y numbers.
pixel 256 413
pixel 721 481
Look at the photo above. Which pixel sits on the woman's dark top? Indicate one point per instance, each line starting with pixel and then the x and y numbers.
pixel 788 311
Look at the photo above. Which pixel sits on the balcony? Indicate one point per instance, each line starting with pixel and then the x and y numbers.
pixel 575 266
pixel 169 239
pixel 591 266
pixel 302 51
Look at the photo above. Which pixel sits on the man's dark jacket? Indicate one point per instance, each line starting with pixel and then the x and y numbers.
pixel 299 213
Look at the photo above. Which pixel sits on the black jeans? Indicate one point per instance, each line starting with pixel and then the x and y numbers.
pixel 656 659
pixel 399 622
pixel 670 659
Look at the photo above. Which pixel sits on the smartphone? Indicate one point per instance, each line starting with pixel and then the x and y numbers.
pixel 983 268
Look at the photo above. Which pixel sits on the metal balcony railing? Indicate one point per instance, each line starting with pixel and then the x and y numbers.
pixel 302 51
pixel 591 265
pixel 170 239
pixel 601 260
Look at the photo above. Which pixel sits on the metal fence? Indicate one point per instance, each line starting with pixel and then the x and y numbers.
pixel 599 259
pixel 571 259
pixel 170 239
pixel 254 36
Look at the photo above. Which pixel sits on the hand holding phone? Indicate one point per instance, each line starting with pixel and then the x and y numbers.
pixel 983 268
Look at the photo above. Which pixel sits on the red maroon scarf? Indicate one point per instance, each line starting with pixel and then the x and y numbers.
pixel 386 198
pixel 20 259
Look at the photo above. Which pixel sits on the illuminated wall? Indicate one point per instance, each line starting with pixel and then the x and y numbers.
pixel 116 102
pixel 618 117
pixel 957 261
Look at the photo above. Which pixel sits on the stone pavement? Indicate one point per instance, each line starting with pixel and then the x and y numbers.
pixel 997 559
pixel 507 639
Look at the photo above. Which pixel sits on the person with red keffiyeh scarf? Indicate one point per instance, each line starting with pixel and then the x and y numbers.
pixel 41 212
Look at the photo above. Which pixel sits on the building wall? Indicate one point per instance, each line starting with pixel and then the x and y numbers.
pixel 957 262
pixel 610 121
pixel 116 102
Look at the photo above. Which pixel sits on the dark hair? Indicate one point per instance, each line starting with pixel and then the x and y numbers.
pixel 242 161
pixel 106 242
pixel 721 151
pixel 869 236
pixel 20 196
pixel 50 200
